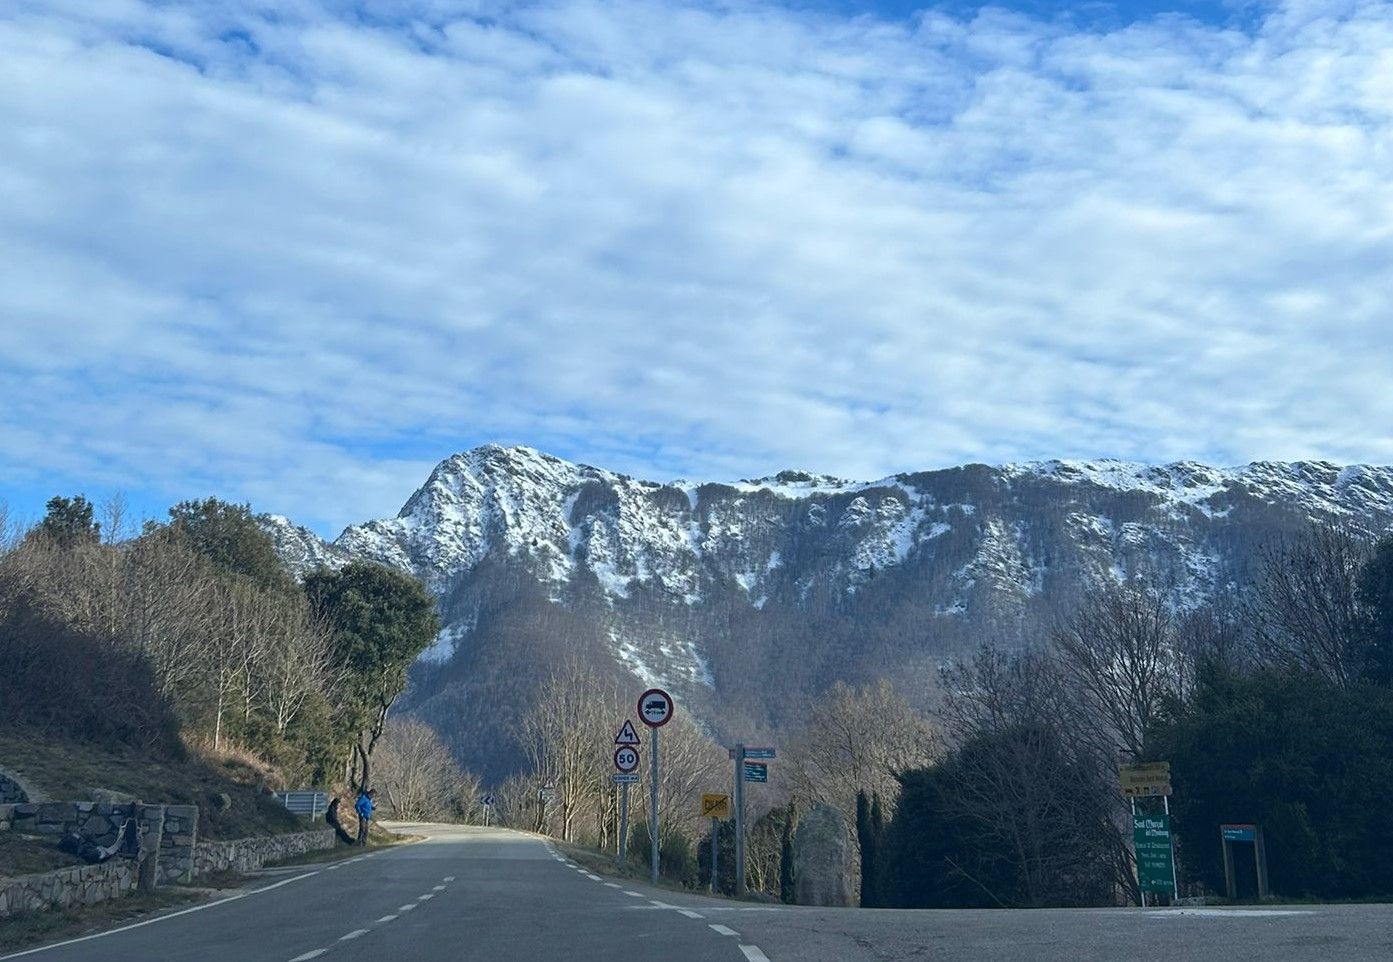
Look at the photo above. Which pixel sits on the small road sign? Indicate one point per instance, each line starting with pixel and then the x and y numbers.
pixel 625 759
pixel 715 806
pixel 486 801
pixel 625 779
pixel 548 792
pixel 1238 833
pixel 627 735
pixel 655 708
pixel 1145 781
pixel 756 772
pixel 759 753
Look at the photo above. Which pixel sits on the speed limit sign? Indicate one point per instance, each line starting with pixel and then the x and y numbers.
pixel 626 759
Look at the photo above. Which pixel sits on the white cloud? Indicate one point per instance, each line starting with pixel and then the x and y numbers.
pixel 298 257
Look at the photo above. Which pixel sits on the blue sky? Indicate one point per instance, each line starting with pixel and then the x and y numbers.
pixel 296 252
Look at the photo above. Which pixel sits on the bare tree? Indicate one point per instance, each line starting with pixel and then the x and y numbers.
pixel 1308 608
pixel 1118 651
pixel 421 778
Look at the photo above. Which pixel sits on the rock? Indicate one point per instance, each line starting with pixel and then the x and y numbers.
pixel 221 801
pixel 821 858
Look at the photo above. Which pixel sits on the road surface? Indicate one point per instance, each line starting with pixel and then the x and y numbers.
pixel 487 894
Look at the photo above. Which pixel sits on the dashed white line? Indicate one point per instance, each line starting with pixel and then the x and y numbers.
pixel 753 953
pixel 438 888
pixel 690 914
pixel 448 878
pixel 406 908
pixel 355 934
pixel 422 898
pixel 637 895
pixel 333 868
pixel 388 918
pixel 593 878
pixel 309 955
pixel 611 885
pixel 723 930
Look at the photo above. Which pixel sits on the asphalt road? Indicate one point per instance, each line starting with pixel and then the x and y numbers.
pixel 479 894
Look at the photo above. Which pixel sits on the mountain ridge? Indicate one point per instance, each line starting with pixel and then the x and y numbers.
pixel 715 588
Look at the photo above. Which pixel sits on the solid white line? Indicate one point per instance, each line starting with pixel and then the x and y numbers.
pixel 355 934
pixel 722 930
pixel 753 953
pixel 388 918
pixel 690 914
pixel 136 925
pixel 309 955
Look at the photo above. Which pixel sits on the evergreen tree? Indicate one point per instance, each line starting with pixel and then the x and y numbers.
pixel 865 838
pixel 228 535
pixel 1377 588
pixel 787 893
pixel 68 522
pixel 382 619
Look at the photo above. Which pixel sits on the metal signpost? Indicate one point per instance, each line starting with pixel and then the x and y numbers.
pixel 627 740
pixel 1231 834
pixel 745 771
pixel 715 807
pixel 655 708
pixel 1151 834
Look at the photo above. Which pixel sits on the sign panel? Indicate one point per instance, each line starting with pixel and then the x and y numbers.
pixel 1148 780
pixel 1239 833
pixel 547 795
pixel 655 708
pixel 625 759
pixel 1151 835
pixel 486 801
pixel 759 753
pixel 756 772
pixel 622 779
pixel 627 735
pixel 715 806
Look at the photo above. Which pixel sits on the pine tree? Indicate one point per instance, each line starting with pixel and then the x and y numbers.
pixel 69 523
pixel 786 888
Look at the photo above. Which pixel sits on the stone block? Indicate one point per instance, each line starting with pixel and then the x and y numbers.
pixel 822 858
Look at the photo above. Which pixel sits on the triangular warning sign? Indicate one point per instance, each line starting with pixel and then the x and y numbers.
pixel 627 735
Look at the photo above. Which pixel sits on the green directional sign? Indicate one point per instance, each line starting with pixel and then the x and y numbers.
pixel 1151 834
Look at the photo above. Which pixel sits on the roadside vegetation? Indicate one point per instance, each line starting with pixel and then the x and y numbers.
pixel 183 663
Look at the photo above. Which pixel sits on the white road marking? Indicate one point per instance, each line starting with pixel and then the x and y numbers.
pixel 408 908
pixel 594 878
pixel 690 914
pixel 1225 913
pixel 423 898
pixel 309 955
pixel 753 953
pixel 611 885
pixel 387 918
pixel 636 895
pixel 660 905
pixel 451 878
pixel 171 915
pixel 355 934
pixel 340 865
pixel 438 888
pixel 722 930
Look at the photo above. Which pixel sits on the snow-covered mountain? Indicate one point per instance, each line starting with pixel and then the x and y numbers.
pixel 745 597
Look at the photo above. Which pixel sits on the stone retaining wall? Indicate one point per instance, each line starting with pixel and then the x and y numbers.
pixel 13 790
pixel 249 854
pixel 176 859
pixel 84 885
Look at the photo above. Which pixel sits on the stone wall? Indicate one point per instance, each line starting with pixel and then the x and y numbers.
pixel 176 860
pixel 84 885
pixel 99 821
pixel 14 790
pixel 249 854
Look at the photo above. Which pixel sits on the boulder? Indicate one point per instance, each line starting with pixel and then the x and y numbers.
pixel 822 858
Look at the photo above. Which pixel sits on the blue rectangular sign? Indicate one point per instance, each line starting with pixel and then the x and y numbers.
pixel 1239 833
pixel 756 772
pixel 759 753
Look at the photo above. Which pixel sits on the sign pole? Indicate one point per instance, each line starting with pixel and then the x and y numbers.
pixel 740 821
pixel 715 829
pixel 1139 888
pixel 653 806
pixel 1175 881
pixel 623 822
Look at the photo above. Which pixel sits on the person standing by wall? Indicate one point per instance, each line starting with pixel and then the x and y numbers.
pixel 364 807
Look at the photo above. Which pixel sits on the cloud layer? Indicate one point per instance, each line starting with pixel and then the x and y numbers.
pixel 297 252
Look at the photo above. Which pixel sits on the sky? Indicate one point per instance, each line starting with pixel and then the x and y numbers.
pixel 297 252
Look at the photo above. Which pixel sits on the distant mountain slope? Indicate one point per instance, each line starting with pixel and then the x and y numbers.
pixel 746 597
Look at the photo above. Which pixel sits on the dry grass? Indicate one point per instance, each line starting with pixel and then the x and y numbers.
pixel 67 770
pixel 31 928
pixel 23 855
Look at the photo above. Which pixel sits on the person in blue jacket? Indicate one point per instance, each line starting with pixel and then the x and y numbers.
pixel 364 809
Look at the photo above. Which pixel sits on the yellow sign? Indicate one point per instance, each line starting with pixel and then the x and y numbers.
pixel 715 806
pixel 1146 781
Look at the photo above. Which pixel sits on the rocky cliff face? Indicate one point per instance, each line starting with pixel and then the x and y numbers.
pixel 746 597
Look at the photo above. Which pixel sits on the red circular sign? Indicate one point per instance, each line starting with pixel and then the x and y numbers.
pixel 655 708
pixel 626 759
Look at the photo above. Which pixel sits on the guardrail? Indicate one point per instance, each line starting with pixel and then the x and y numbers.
pixel 307 803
